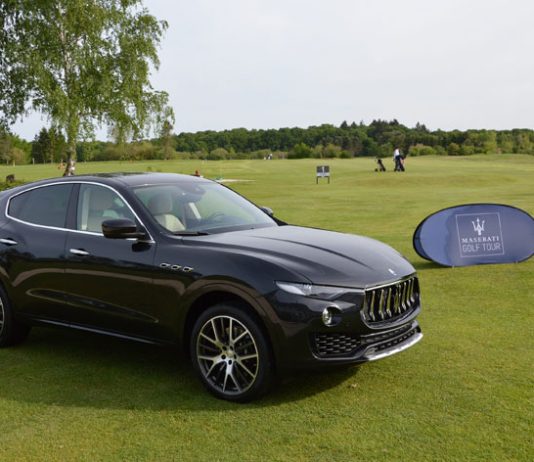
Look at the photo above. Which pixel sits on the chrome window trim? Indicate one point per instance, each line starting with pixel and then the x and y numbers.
pixel 150 240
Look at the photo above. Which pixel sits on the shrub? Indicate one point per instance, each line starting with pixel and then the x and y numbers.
pixel 300 151
pixel 453 149
pixel 467 150
pixel 218 154
pixel 317 152
pixel 386 150
pixel 440 150
pixel 331 150
pixel 421 150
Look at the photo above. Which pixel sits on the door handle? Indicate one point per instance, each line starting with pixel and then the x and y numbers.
pixel 8 241
pixel 80 252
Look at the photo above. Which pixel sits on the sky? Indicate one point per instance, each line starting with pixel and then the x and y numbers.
pixel 270 63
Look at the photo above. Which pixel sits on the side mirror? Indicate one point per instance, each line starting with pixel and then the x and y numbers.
pixel 121 228
pixel 267 210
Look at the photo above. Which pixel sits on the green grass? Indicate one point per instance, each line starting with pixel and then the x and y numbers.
pixel 463 394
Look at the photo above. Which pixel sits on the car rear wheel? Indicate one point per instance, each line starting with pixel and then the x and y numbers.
pixel 231 354
pixel 11 331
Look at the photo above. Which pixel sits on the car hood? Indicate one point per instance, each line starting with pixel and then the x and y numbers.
pixel 322 257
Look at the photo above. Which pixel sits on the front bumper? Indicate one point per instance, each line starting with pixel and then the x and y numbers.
pixel 305 341
pixel 355 348
pixel 395 346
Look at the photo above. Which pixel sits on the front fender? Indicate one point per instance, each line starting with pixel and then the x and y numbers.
pixel 235 289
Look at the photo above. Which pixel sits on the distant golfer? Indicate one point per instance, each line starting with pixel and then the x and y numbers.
pixel 398 159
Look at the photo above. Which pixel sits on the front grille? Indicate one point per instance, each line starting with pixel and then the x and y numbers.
pixel 391 302
pixel 335 344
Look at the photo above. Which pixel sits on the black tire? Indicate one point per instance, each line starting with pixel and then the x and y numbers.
pixel 12 331
pixel 231 354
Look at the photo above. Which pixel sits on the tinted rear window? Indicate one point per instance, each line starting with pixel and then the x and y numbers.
pixel 45 206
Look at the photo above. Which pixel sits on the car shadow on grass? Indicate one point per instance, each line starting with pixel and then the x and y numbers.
pixel 64 368
pixel 427 265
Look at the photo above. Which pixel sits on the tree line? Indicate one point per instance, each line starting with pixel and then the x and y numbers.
pixel 378 139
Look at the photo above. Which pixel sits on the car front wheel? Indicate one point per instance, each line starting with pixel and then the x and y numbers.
pixel 231 354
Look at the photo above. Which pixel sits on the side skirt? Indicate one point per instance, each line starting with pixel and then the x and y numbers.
pixel 49 322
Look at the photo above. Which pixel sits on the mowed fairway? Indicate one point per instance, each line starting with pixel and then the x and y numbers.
pixel 465 393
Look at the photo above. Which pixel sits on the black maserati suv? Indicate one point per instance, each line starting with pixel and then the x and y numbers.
pixel 166 258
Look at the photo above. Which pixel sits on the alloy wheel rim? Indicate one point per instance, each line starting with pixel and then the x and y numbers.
pixel 227 355
pixel 2 317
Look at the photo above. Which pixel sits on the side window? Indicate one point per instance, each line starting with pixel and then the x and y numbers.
pixel 46 206
pixel 97 204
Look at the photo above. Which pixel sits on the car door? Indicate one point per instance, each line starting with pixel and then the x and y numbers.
pixel 108 281
pixel 32 241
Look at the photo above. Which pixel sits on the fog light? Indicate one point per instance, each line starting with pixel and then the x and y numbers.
pixel 328 317
pixel 331 316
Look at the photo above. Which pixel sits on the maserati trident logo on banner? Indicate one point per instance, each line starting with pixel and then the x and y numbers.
pixel 478 227
pixel 472 242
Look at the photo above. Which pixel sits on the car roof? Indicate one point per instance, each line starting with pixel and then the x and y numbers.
pixel 127 179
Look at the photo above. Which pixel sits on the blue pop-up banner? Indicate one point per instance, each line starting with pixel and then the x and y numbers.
pixel 476 234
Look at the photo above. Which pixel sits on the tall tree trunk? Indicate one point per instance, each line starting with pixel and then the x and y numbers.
pixel 70 166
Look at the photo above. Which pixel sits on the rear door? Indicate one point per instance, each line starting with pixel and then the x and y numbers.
pixel 32 249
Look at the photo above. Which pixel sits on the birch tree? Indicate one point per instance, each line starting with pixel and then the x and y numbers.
pixel 83 63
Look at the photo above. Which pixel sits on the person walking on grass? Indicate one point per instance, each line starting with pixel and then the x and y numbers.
pixel 398 159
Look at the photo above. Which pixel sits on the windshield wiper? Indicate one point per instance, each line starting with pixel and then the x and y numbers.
pixel 190 233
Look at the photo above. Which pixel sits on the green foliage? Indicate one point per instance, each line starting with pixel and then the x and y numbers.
pixel 166 140
pixel 524 141
pixel 82 63
pixel 13 150
pixel 386 149
pixel 331 150
pixel 300 151
pixel 48 146
pixel 467 149
pixel 454 149
pixel 377 139
pixel 440 150
pixel 421 150
pixel 327 141
pixel 218 154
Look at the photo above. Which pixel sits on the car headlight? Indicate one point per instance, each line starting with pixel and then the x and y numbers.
pixel 312 290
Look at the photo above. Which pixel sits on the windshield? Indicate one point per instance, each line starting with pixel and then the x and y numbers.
pixel 198 208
